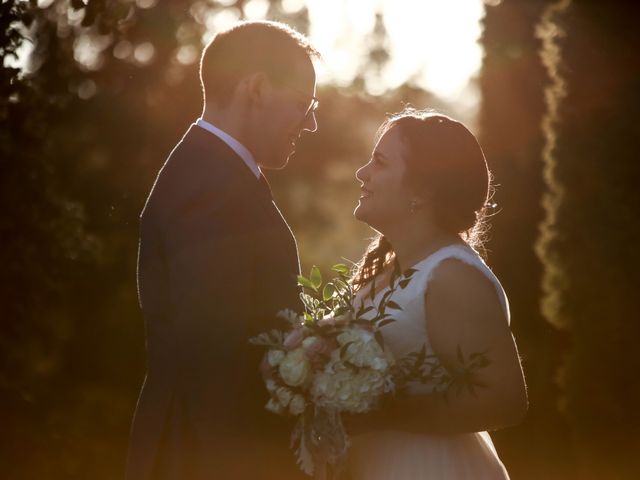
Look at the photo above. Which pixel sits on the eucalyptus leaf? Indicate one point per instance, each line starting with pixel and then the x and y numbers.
pixel 372 293
pixel 386 321
pixel 328 291
pixel 409 272
pixel 305 282
pixel 341 268
pixel 364 311
pixel 315 277
pixel 378 336
pixel 393 305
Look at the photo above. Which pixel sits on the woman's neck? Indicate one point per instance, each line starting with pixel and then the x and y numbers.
pixel 414 244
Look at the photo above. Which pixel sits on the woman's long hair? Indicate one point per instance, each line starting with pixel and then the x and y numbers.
pixel 444 162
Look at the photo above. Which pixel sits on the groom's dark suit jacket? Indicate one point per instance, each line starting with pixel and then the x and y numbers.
pixel 217 261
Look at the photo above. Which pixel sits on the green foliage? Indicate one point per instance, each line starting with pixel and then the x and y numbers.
pixel 588 241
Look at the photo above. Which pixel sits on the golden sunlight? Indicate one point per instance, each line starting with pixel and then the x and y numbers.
pixel 433 43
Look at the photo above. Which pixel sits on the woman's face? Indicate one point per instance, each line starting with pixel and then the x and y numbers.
pixel 385 197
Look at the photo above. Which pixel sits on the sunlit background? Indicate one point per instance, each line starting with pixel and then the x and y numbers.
pixel 103 89
pixel 432 44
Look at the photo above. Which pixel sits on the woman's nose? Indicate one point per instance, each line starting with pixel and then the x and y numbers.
pixel 361 173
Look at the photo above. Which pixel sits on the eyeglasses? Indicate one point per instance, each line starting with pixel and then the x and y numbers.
pixel 313 104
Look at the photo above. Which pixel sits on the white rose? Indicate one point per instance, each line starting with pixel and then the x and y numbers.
pixel 340 388
pixel 271 385
pixel 379 363
pixel 274 357
pixel 296 407
pixel 294 368
pixel 274 406
pixel 284 396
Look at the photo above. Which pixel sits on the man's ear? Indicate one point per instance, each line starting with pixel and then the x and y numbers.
pixel 256 88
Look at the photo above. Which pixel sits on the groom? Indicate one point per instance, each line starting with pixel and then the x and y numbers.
pixel 217 261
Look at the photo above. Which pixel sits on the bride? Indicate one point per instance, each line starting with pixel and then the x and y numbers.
pixel 425 190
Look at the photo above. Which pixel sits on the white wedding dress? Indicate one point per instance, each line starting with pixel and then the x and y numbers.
pixel 398 455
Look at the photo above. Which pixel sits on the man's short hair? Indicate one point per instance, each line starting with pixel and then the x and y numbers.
pixel 248 47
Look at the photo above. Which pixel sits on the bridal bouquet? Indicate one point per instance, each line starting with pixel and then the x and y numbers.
pixel 332 359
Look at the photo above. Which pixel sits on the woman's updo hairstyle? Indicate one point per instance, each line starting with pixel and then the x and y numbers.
pixel 445 164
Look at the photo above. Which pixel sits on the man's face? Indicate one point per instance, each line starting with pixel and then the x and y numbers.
pixel 288 112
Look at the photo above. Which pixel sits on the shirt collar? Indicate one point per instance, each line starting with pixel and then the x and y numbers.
pixel 234 144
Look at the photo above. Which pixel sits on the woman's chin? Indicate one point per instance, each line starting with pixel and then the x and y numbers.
pixel 361 214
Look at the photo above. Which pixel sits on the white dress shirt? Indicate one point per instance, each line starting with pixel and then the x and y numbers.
pixel 234 144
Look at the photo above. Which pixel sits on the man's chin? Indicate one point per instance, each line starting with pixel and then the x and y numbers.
pixel 275 165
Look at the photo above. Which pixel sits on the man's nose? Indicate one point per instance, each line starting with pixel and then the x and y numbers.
pixel 310 124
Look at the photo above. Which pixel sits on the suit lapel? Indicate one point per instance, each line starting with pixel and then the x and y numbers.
pixel 256 189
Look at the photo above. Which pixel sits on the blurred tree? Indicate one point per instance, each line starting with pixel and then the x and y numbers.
pixel 45 247
pixel 68 276
pixel 589 238
pixel 512 81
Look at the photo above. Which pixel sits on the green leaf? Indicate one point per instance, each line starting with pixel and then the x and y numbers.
pixel 341 285
pixel 363 311
pixel 378 336
pixel 403 283
pixel 420 357
pixel 393 305
pixel 328 291
pixel 386 296
pixel 409 272
pixel 308 301
pixel 341 268
pixel 384 322
pixel 304 282
pixel 315 277
pixel 340 311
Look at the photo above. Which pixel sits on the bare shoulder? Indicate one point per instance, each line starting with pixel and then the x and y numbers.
pixel 461 296
pixel 453 277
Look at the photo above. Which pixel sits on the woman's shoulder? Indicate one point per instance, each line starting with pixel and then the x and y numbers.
pixel 456 275
pixel 467 282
